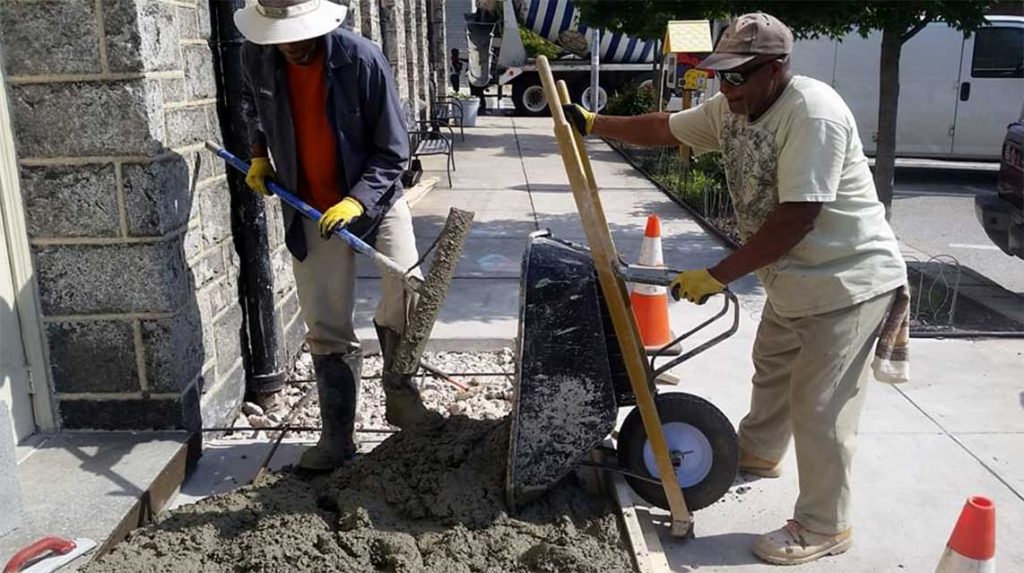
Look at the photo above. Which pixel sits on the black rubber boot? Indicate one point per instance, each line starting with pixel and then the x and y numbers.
pixel 403 406
pixel 337 384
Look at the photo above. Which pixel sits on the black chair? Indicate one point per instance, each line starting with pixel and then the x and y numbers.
pixel 448 111
pixel 428 139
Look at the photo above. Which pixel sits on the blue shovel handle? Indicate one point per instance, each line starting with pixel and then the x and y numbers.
pixel 357 244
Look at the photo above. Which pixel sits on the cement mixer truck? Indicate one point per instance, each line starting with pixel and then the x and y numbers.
pixel 497 56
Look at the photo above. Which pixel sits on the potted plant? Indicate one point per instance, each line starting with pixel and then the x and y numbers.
pixel 470 107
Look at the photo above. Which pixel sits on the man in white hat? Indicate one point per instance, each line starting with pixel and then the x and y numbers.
pixel 815 233
pixel 326 122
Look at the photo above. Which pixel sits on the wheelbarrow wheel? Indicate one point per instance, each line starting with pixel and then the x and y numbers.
pixel 701 442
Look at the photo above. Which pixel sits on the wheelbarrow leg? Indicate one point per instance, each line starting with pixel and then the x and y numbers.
pixel 595 226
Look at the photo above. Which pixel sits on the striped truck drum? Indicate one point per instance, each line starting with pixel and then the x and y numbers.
pixel 559 21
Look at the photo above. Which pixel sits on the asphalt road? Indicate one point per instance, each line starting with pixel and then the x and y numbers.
pixel 933 212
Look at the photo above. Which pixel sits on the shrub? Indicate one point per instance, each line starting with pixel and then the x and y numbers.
pixel 632 100
pixel 536 45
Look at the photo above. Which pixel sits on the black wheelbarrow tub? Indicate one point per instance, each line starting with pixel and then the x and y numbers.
pixel 564 401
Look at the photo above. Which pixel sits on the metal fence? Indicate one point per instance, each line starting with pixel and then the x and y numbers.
pixel 700 187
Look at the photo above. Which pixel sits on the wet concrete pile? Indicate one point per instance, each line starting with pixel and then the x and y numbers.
pixel 430 502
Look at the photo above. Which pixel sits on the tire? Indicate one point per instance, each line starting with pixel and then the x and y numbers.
pixel 691 422
pixel 602 98
pixel 528 96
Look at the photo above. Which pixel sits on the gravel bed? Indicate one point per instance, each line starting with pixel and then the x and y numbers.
pixel 479 397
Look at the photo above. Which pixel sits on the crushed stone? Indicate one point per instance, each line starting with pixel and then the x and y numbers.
pixel 429 502
pixel 486 397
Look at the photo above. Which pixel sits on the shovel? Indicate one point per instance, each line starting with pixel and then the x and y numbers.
pixel 432 289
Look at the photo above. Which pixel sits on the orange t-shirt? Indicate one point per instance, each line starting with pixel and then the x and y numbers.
pixel 319 181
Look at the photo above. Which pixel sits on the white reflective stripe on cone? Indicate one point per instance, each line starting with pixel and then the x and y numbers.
pixel 650 252
pixel 650 290
pixel 953 562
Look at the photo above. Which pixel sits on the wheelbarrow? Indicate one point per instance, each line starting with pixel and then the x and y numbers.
pixel 581 359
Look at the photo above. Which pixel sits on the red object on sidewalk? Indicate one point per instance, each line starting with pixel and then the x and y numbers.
pixel 45 545
pixel 972 545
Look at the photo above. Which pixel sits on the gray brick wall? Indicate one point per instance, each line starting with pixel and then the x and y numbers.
pixel 423 50
pixel 412 55
pixel 369 13
pixel 354 20
pixel 439 51
pixel 128 214
pixel 393 38
pixel 112 100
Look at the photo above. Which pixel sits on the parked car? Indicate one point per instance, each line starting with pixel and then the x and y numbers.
pixel 1002 214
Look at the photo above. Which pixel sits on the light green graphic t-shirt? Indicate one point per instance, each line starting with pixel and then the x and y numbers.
pixel 805 148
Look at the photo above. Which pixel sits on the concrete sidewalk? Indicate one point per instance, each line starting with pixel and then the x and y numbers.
pixel 510 174
pixel 956 430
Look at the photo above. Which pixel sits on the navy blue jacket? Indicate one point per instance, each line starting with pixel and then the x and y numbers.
pixel 364 111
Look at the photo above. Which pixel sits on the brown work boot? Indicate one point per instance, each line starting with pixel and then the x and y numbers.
pixel 751 464
pixel 403 406
pixel 794 544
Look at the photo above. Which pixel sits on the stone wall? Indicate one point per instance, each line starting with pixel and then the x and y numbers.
pixel 129 216
pixel 437 12
pixel 402 28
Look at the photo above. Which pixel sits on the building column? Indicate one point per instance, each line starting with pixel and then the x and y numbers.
pixel 392 24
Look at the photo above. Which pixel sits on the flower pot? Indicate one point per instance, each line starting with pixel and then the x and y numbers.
pixel 470 108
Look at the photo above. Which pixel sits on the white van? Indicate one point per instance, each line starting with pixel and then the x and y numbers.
pixel 957 92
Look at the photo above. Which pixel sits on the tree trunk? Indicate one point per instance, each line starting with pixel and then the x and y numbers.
pixel 888 103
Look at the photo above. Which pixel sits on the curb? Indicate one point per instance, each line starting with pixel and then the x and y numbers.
pixel 644 544
pixel 417 192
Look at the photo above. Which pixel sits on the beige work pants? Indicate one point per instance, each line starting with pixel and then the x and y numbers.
pixel 326 283
pixel 809 383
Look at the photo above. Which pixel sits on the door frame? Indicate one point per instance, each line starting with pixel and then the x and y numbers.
pixel 12 218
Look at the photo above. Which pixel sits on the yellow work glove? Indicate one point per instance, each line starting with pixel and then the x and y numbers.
pixel 259 171
pixel 580 118
pixel 695 285
pixel 339 215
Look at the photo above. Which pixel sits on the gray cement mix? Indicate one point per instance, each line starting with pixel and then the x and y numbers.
pixel 433 290
pixel 430 502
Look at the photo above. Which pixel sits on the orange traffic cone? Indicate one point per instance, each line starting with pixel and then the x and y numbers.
pixel 972 546
pixel 650 303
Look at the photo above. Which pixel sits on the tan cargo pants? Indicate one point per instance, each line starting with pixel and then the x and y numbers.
pixel 326 283
pixel 809 383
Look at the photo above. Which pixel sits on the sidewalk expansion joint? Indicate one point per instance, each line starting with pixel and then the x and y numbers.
pixel 961 444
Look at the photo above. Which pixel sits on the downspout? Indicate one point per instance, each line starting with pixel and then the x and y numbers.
pixel 261 337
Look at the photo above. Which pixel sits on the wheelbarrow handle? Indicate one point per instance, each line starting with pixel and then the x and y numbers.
pixel 659 276
pixel 639 274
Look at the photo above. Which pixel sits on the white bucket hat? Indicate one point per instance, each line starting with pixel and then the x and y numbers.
pixel 282 21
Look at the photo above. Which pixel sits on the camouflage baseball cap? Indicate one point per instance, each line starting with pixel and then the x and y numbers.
pixel 747 37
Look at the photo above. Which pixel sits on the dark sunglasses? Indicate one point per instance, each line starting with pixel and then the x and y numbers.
pixel 740 78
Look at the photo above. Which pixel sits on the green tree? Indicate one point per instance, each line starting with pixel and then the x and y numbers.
pixel 897 20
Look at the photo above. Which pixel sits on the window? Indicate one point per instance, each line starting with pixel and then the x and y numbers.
pixel 998 53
